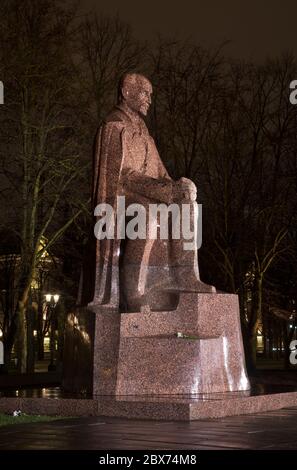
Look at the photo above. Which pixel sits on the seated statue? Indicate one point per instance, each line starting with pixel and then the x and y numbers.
pixel 131 274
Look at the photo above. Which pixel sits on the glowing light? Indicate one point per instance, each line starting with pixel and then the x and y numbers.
pixel 34 284
pixel 48 297
pixel 56 298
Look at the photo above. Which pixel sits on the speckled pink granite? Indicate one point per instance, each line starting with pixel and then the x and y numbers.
pixel 91 351
pixel 128 274
pixel 153 360
pixel 147 407
pixel 108 353
pixel 184 337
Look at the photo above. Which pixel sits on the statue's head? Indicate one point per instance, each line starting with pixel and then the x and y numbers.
pixel 135 90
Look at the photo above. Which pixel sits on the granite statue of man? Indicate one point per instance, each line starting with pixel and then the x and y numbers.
pixel 131 274
pixel 180 335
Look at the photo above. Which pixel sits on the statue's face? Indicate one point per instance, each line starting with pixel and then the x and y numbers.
pixel 137 95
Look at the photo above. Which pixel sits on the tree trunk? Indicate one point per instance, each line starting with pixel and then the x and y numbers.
pixel 7 358
pixel 61 330
pixel 248 348
pixel 40 333
pixel 40 345
pixel 286 347
pixel 22 338
pixel 30 341
pixel 270 339
pixel 24 292
pixel 256 315
pixel 252 351
pixel 8 344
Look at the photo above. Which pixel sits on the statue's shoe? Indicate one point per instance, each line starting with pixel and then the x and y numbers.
pixel 191 286
pixel 199 287
pixel 109 306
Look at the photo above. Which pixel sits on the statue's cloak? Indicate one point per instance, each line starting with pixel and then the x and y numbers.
pixel 125 162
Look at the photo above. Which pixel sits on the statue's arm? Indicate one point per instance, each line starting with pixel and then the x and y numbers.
pixel 133 182
pixel 147 187
pixel 114 172
pixel 163 190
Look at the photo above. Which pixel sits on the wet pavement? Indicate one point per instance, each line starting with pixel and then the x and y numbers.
pixel 270 430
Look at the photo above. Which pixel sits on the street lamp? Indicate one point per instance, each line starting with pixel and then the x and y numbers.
pixel 52 299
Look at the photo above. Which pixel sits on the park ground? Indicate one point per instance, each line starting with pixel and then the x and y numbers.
pixel 275 430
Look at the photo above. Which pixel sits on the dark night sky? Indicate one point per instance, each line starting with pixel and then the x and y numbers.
pixel 257 28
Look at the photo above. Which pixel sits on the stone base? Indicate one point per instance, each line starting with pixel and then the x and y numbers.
pixel 195 349
pixel 91 351
pixel 159 408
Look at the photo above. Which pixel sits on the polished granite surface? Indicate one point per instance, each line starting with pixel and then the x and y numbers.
pixel 58 393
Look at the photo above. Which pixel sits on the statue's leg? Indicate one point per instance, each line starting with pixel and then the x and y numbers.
pixel 153 272
pixel 183 261
pixel 145 278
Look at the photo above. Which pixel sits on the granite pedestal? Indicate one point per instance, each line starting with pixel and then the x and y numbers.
pixel 195 349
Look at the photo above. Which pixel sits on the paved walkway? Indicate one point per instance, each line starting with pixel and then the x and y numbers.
pixel 273 430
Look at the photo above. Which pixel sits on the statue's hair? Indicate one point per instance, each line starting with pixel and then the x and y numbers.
pixel 128 77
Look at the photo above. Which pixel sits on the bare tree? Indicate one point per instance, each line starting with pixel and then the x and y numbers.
pixel 251 195
pixel 187 86
pixel 106 50
pixel 42 162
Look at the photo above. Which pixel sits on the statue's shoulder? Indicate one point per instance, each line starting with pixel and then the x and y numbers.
pixel 116 118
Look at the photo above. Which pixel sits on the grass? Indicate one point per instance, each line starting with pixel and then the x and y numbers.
pixel 23 419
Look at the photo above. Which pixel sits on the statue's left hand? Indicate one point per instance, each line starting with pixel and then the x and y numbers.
pixel 188 188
